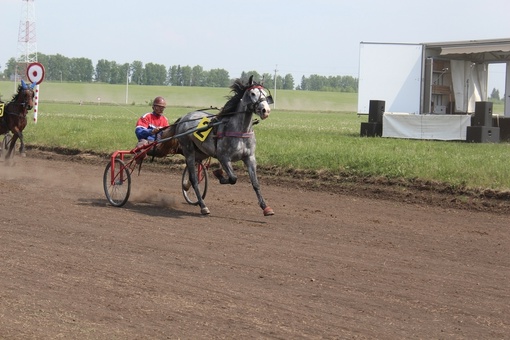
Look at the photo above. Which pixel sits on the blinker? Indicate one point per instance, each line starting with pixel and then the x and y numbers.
pixel 269 100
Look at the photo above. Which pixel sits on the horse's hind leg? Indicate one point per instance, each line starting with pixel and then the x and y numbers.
pixel 251 164
pixel 231 176
pixel 190 162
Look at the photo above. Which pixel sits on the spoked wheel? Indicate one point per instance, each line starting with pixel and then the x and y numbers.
pixel 187 188
pixel 117 191
pixel 4 147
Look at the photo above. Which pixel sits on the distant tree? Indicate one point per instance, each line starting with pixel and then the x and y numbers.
pixel 317 83
pixel 57 67
pixel 279 82
pixel 197 76
pixel 218 78
pixel 349 84
pixel 186 75
pixel 119 73
pixel 125 70
pixel 103 71
pixel 60 68
pixel 10 68
pixel 81 69
pixel 172 75
pixel 495 94
pixel 44 60
pixel 267 80
pixel 155 74
pixel 246 75
pixel 114 73
pixel 178 79
pixel 137 72
pixel 332 83
pixel 288 82
pixel 304 84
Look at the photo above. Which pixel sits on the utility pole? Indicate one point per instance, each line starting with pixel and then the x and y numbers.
pixel 127 83
pixel 274 98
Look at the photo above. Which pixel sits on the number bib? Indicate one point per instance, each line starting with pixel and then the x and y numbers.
pixel 2 109
pixel 202 135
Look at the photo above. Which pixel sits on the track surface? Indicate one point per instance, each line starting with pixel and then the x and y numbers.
pixel 327 265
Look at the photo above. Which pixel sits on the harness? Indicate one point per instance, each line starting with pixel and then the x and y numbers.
pixel 235 134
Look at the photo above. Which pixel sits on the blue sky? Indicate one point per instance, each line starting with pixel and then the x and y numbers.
pixel 294 36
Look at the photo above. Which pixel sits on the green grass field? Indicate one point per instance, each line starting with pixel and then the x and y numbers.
pixel 307 130
pixel 196 97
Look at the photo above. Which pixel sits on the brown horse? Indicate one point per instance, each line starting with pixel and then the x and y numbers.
pixel 14 117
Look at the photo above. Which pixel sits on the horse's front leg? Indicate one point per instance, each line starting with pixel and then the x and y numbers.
pixel 22 145
pixel 11 149
pixel 251 164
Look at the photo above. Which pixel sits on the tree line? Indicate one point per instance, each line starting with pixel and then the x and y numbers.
pixel 60 68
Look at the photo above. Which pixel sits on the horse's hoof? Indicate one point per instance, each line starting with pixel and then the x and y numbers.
pixel 268 211
pixel 205 211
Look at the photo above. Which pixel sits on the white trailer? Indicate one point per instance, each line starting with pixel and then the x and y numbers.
pixel 430 89
pixel 430 78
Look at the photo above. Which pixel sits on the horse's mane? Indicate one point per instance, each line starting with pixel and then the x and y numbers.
pixel 16 95
pixel 237 88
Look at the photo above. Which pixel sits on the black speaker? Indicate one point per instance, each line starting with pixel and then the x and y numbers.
pixel 376 111
pixel 503 123
pixel 483 114
pixel 371 129
pixel 482 134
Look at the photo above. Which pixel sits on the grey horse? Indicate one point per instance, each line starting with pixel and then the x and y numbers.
pixel 230 137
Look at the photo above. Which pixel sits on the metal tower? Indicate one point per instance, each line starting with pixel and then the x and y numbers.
pixel 27 46
pixel 27 42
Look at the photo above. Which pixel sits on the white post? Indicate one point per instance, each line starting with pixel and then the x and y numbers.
pixel 274 97
pixel 36 104
pixel 127 84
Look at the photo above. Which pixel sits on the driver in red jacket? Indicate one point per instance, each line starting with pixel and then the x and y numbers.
pixel 150 124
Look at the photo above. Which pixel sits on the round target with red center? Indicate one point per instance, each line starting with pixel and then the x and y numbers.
pixel 35 73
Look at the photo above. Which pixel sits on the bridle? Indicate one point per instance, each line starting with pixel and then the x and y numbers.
pixel 251 108
pixel 24 104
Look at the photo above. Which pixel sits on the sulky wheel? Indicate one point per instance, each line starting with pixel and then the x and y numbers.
pixel 118 187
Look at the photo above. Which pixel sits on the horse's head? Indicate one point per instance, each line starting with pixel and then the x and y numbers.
pixel 257 99
pixel 26 95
